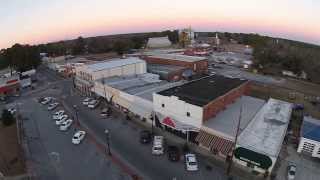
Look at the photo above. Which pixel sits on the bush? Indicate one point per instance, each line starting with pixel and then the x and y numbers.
pixel 7 118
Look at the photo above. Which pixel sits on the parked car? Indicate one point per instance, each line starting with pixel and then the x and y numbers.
pixel 57 114
pixel 105 112
pixel 158 145
pixel 46 100
pixel 52 106
pixel 78 137
pixel 93 104
pixel 291 172
pixel 191 162
pixel 145 137
pixel 173 153
pixel 12 110
pixel 61 119
pixel 86 101
pixel 65 125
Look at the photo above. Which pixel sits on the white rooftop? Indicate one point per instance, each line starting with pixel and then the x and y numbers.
pixel 159 42
pixel 226 122
pixel 117 62
pixel 266 131
pixel 142 85
pixel 179 57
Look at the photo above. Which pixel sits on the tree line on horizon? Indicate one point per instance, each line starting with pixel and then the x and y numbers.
pixel 270 55
pixel 24 57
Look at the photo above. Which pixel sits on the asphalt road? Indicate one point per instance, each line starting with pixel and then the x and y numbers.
pixel 52 154
pixel 54 157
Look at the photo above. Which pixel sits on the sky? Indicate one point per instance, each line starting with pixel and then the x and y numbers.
pixel 42 21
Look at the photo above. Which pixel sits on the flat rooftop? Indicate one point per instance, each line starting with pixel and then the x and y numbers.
pixel 159 68
pixel 143 85
pixel 116 62
pixel 266 131
pixel 179 57
pixel 226 122
pixel 202 91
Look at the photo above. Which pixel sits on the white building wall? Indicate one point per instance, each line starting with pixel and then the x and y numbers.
pixel 130 69
pixel 177 109
pixel 315 151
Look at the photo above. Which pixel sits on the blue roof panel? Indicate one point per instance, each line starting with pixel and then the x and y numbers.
pixel 311 129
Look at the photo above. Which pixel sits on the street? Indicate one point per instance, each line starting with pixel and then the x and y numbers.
pixel 53 156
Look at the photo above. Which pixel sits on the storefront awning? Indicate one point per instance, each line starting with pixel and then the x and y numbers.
pixel 253 157
pixel 174 124
pixel 214 143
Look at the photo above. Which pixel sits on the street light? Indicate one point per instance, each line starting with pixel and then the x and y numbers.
pixel 76 111
pixel 108 141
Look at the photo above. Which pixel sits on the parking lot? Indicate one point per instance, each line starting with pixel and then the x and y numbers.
pixel 53 156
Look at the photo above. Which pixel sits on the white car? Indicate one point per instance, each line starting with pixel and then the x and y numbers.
pixel 78 137
pixel 157 148
pixel 46 100
pixel 12 110
pixel 57 114
pixel 93 104
pixel 52 106
pixel 65 125
pixel 291 172
pixel 86 101
pixel 61 119
pixel 191 162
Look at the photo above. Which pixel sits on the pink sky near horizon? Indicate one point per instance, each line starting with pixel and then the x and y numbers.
pixel 54 22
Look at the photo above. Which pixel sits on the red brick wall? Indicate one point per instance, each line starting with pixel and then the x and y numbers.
pixel 219 104
pixel 201 66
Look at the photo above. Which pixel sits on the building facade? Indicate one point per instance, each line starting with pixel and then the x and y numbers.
pixel 310 137
pixel 185 108
pixel 199 65
pixel 86 75
pixel 259 144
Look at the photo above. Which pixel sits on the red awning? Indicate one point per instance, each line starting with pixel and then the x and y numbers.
pixel 169 122
pixel 214 143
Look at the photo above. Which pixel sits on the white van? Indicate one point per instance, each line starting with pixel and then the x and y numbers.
pixel 158 145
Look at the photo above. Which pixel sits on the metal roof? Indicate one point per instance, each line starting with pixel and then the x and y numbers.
pixel 311 128
pixel 118 62
pixel 226 122
pixel 179 57
pixel 265 133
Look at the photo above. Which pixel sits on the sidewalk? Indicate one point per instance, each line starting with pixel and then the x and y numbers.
pixel 237 172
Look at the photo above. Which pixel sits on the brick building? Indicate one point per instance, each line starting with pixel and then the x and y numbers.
pixel 184 109
pixel 10 85
pixel 199 65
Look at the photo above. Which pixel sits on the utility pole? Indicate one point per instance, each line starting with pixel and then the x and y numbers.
pixel 108 141
pixel 235 142
pixel 76 111
pixel 153 119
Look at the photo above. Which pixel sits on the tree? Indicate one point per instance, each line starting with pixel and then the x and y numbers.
pixel 7 118
pixel 122 46
pixel 79 46
pixel 22 57
pixel 138 42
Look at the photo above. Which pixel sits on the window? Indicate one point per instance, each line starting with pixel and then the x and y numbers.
pixel 188 114
pixel 162 105
pixel 308 147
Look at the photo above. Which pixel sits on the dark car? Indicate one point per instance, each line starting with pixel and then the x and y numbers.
pixel 145 137
pixel 173 153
